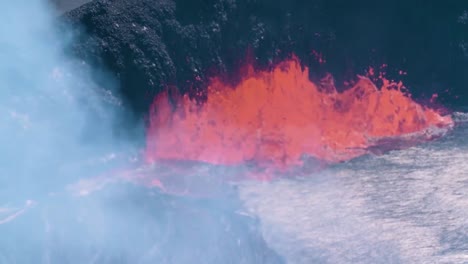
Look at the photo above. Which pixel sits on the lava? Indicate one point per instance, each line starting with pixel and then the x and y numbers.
pixel 276 118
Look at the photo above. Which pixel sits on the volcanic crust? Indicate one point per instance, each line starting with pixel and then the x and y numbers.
pixel 150 45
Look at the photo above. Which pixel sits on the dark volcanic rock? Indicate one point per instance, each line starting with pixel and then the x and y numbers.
pixel 67 5
pixel 150 45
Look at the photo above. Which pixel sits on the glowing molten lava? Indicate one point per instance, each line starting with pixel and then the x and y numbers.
pixel 277 117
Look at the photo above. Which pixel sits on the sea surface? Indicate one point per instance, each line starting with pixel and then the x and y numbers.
pixel 406 206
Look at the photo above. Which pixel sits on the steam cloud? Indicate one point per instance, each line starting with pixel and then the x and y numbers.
pixel 52 112
pixel 57 126
pixel 59 130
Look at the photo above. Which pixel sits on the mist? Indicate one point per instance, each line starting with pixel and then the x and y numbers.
pixel 61 142
pixel 57 126
pixel 52 112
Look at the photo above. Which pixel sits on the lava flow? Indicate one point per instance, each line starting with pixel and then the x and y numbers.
pixel 275 118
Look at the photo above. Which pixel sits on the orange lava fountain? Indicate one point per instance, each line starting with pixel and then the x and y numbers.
pixel 275 118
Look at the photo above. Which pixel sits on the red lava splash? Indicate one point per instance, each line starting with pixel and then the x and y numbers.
pixel 275 118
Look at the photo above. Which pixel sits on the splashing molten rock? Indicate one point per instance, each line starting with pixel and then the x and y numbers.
pixel 276 118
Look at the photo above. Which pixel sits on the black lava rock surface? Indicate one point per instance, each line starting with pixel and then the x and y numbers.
pixel 153 45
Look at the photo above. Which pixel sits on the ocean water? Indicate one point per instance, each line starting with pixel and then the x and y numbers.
pixel 406 206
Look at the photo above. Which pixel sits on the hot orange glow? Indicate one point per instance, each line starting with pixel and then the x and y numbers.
pixel 274 118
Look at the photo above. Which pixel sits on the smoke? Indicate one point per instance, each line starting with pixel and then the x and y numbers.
pixel 52 112
pixel 57 126
pixel 59 129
